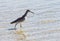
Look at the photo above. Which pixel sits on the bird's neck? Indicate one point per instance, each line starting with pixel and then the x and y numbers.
pixel 25 14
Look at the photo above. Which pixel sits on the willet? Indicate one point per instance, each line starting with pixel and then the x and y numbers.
pixel 20 19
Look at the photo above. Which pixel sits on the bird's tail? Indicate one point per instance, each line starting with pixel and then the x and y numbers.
pixel 12 22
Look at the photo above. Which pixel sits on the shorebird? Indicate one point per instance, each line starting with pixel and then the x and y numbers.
pixel 20 19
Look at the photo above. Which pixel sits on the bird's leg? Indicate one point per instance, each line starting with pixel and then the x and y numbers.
pixel 20 24
pixel 15 26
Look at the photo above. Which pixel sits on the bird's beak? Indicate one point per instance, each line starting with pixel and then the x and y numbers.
pixel 32 12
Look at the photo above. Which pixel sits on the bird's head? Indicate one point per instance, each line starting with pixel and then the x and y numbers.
pixel 30 11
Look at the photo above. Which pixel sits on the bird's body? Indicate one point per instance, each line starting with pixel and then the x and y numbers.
pixel 19 20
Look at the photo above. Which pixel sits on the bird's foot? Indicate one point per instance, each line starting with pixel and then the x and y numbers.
pixel 12 29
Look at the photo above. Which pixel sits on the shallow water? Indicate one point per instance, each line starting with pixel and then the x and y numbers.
pixel 44 25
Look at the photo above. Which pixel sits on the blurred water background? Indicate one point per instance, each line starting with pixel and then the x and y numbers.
pixel 44 25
